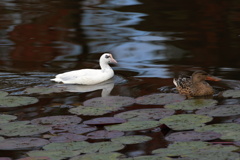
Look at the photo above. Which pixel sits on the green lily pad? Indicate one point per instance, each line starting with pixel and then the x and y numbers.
pixel 22 143
pixel 92 111
pixel 4 118
pixel 133 126
pixel 68 137
pixel 185 121
pixel 57 120
pixel 229 131
pixel 104 121
pixel 103 134
pixel 220 110
pixel 3 94
pixel 192 104
pixel 192 136
pixel 35 158
pixel 145 114
pixel 99 156
pixel 134 139
pixel 54 155
pixel 16 101
pixel 231 93
pixel 187 149
pixel 22 129
pixel 43 90
pixel 75 129
pixel 149 157
pixel 85 147
pixel 1 138
pixel 110 101
pixel 160 99
pixel 214 155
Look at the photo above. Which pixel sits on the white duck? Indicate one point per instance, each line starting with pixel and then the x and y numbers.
pixel 89 76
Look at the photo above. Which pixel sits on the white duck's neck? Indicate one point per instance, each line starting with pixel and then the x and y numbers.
pixel 105 66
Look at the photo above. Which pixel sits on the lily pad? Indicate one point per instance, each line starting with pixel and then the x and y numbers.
pixel 57 120
pixel 56 155
pixel 192 104
pixel 35 158
pixel 231 93
pixel 99 156
pixel 220 110
pixel 68 137
pixel 1 138
pixel 133 126
pixel 110 101
pixel 229 131
pixel 185 121
pixel 6 118
pixel 16 101
pixel 43 90
pixel 3 94
pixel 103 134
pixel 104 121
pixel 192 136
pixel 146 114
pixel 22 143
pixel 92 111
pixel 76 129
pixel 134 139
pixel 160 99
pixel 22 129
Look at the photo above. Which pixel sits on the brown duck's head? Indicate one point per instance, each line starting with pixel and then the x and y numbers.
pixel 199 76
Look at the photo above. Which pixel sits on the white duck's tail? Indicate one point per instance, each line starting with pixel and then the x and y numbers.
pixel 56 80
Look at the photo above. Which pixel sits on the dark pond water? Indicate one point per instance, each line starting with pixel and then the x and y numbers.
pixel 153 41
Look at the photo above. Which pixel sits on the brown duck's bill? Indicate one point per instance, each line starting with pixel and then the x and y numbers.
pixel 212 78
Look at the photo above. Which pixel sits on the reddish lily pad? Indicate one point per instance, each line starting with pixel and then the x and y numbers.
pixel 185 121
pixel 192 104
pixel 22 143
pixel 110 101
pixel 92 111
pixel 193 136
pixel 57 120
pixel 133 126
pixel 76 129
pixel 103 134
pixel 68 137
pixel 104 121
pixel 160 99
pixel 231 93
pixel 145 114
pixel 220 110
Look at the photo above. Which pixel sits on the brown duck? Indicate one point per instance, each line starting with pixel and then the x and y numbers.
pixel 195 85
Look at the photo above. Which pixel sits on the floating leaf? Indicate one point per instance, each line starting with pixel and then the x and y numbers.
pixel 231 93
pixel 92 111
pixel 220 110
pixel 6 118
pixel 99 156
pixel 145 114
pixel 5 158
pixel 192 136
pixel 1 138
pixel 133 126
pixel 110 101
pixel 134 139
pixel 160 99
pixel 104 121
pixel 71 146
pixel 57 120
pixel 218 155
pixel 68 137
pixel 54 155
pixel 35 158
pixel 22 143
pixel 150 157
pixel 76 129
pixel 16 101
pixel 192 104
pixel 43 90
pixel 229 131
pixel 185 121
pixel 22 129
pixel 3 94
pixel 103 134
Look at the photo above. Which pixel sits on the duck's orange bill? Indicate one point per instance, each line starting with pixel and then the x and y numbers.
pixel 211 78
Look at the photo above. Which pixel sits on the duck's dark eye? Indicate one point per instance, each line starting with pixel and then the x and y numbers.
pixel 107 56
